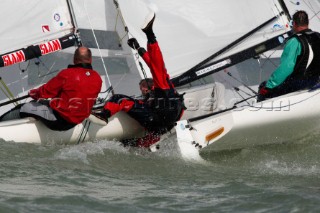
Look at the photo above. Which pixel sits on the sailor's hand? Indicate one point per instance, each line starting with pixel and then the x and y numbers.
pixel 263 91
pixel 133 43
pixel 34 94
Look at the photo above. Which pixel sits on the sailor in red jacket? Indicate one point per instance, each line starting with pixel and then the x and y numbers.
pixel 72 92
pixel 162 106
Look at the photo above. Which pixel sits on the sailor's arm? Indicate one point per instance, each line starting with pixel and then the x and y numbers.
pixel 49 90
pixel 288 61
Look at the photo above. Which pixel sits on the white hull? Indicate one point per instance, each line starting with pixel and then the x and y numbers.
pixel 121 126
pixel 29 130
pixel 277 120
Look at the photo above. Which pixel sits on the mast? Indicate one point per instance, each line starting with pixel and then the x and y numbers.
pixel 74 23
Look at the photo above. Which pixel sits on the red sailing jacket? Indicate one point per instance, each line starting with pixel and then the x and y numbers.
pixel 154 59
pixel 73 92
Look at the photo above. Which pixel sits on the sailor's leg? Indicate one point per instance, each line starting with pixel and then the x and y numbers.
pixel 154 55
pixel 36 109
pixel 44 113
pixel 12 114
pixel 147 28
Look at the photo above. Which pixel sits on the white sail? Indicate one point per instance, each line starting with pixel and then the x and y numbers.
pixel 31 29
pixel 26 23
pixel 190 31
pixel 31 73
pixel 103 31
pixel 312 7
pixel 100 29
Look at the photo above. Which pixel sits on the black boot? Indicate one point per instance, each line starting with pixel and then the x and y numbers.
pixel 102 114
pixel 147 28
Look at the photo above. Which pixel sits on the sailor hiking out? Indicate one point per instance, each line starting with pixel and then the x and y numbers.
pixel 162 106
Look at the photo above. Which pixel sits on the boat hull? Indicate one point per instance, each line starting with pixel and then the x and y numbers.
pixel 283 119
pixel 28 130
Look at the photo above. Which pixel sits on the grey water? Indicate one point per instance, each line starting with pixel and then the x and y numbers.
pixel 103 176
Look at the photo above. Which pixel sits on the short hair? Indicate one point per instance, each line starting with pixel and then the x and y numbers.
pixel 148 81
pixel 82 55
pixel 301 18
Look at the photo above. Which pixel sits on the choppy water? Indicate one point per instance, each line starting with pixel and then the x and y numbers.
pixel 106 177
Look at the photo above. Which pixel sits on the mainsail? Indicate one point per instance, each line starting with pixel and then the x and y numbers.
pixel 102 30
pixel 201 37
pixel 34 28
pixel 32 33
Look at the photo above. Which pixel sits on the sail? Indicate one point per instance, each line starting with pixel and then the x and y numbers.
pixel 100 28
pixel 104 32
pixel 34 28
pixel 312 7
pixel 196 34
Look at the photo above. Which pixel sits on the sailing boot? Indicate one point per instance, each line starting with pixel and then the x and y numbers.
pixel 147 28
pixel 100 116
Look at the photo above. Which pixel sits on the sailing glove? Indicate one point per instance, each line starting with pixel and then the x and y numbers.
pixel 263 91
pixel 133 43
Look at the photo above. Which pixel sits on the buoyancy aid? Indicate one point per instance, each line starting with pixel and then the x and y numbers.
pixel 307 69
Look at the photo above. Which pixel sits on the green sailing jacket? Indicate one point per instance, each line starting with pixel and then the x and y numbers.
pixel 289 57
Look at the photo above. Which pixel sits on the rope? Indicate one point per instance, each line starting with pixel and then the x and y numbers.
pixel 137 57
pixel 5 89
pixel 84 131
pixel 97 43
pixel 254 92
pixel 85 135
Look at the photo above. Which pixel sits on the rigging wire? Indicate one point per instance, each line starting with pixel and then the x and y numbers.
pixel 236 91
pixel 269 59
pixel 97 43
pixel 315 14
pixel 119 14
pixel 137 57
pixel 241 82
pixel 243 98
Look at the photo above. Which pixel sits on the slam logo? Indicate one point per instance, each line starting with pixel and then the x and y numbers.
pixel 50 46
pixel 13 58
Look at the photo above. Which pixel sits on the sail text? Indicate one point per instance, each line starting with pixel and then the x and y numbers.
pixel 50 47
pixel 13 58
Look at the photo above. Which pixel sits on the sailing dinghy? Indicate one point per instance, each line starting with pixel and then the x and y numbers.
pixel 247 123
pixel 218 52
pixel 37 30
pixel 202 41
